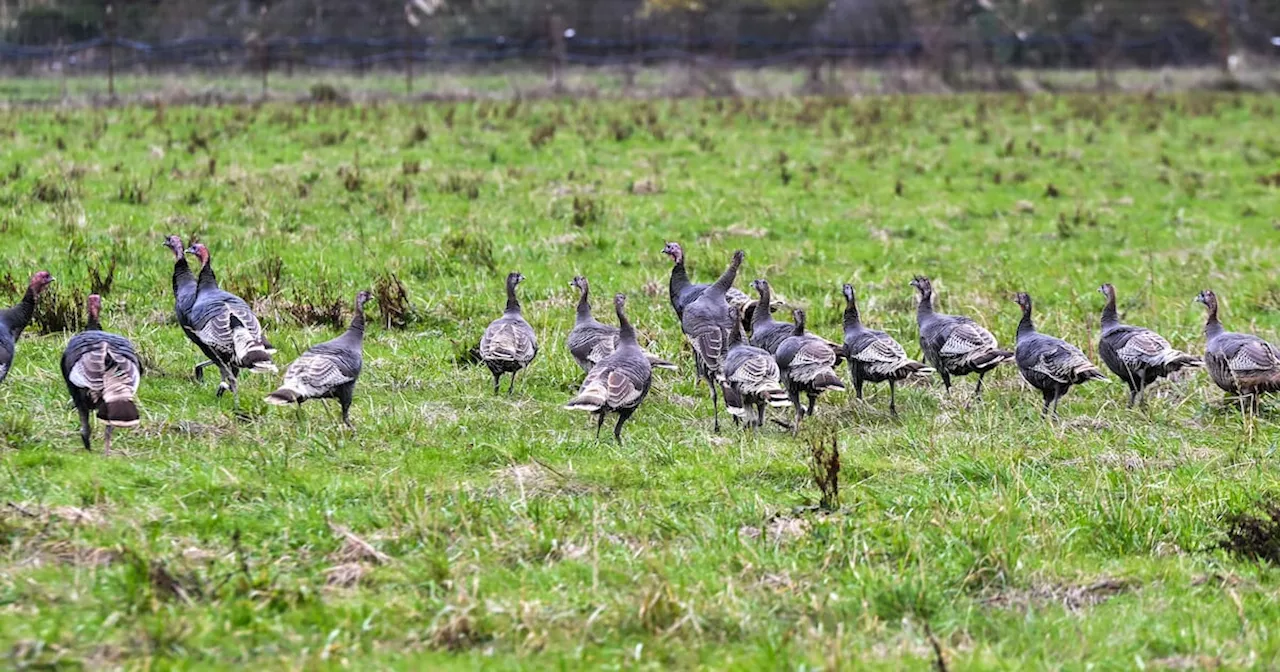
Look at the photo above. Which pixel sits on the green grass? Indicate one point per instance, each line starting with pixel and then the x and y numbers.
pixel 507 536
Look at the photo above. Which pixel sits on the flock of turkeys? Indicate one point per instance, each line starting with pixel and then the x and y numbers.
pixel 774 365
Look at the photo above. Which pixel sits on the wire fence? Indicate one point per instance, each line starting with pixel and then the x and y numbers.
pixel 264 44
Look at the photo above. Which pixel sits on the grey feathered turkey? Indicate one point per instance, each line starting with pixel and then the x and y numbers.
pixel 766 332
pixel 807 364
pixel 619 382
pixel 508 344
pixel 1240 364
pixel 590 340
pixel 750 380
pixel 683 293
pixel 1049 364
pixel 1136 355
pixel 184 296
pixel 102 373
pixel 328 370
pixel 226 329
pixel 14 320
pixel 953 344
pixel 706 323
pixel 874 357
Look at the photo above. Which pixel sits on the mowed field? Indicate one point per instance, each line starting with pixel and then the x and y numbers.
pixel 456 528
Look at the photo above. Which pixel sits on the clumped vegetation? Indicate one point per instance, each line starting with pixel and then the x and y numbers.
pixel 456 528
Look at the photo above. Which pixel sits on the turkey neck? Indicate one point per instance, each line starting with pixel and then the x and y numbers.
pixel 357 323
pixel 925 309
pixel 1212 327
pixel 18 316
pixel 761 315
pixel 184 284
pixel 725 281
pixel 679 279
pixel 1109 317
pixel 1025 325
pixel 626 333
pixel 851 319
pixel 799 330
pixel 584 306
pixel 94 324
pixel 207 279
pixel 513 304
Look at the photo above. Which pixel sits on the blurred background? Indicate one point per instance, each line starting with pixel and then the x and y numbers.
pixel 59 49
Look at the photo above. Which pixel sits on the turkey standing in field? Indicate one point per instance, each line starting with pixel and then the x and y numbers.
pixel 766 332
pixel 619 382
pixel 706 323
pixel 683 293
pixel 1050 364
pixel 1138 356
pixel 591 341
pixel 508 344
pixel 15 319
pixel 184 295
pixel 102 372
pixel 226 329
pixel 874 357
pixel 955 345
pixel 750 379
pixel 1241 364
pixel 807 364
pixel 328 370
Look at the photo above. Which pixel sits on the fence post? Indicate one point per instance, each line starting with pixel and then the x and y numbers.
pixel 555 33
pixel 629 63
pixel 408 60
pixel 1224 34
pixel 111 54
pixel 264 46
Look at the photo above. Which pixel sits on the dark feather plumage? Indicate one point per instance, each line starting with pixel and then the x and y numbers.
pixel 102 373
pixel 328 370
pixel 1138 356
pixel 706 323
pixel 14 321
pixel 874 356
pixel 1240 364
pixel 807 364
pixel 508 344
pixel 953 344
pixel 619 382
pixel 590 340
pixel 1049 364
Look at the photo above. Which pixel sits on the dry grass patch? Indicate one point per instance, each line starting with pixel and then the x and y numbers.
pixel 1072 597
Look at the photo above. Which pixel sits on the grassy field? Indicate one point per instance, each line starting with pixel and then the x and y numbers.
pixel 460 529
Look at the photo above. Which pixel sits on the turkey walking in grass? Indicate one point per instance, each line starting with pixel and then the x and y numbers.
pixel 750 380
pixel 226 329
pixel 1243 365
pixel 14 320
pixel 766 332
pixel 955 345
pixel 683 293
pixel 508 344
pixel 619 382
pixel 102 373
pixel 706 323
pixel 1136 355
pixel 184 296
pixel 1049 364
pixel 874 357
pixel 807 364
pixel 328 370
pixel 590 340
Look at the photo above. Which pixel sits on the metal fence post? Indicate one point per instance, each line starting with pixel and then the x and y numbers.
pixel 111 53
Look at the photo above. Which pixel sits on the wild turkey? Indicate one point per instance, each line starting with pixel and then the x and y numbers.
pixel 14 320
pixel 874 357
pixel 226 329
pixel 955 345
pixel 1136 355
pixel 1050 364
pixel 806 363
pixel 328 370
pixel 508 344
pixel 102 373
pixel 591 341
pixel 1241 364
pixel 683 293
pixel 619 382
pixel 749 379
pixel 706 323
pixel 768 333
pixel 184 295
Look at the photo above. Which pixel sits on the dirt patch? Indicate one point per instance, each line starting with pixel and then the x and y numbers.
pixel 435 413
pixel 67 553
pixel 535 479
pixel 346 575
pixel 354 549
pixel 778 530
pixel 1072 597
pixel 42 516
pixel 1186 663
